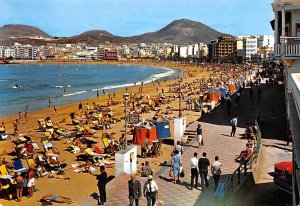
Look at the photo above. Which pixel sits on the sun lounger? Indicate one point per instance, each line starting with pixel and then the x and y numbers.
pixel 89 151
pixel 97 149
pixel 3 170
pixel 18 166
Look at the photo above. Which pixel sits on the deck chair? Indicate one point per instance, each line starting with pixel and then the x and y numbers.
pixel 46 144
pixel 42 124
pixel 30 161
pixel 89 151
pixel 3 170
pixel 18 166
pixel 97 149
pixel 5 191
pixel 105 141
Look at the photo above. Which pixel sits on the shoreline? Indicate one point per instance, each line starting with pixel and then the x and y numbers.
pixel 116 90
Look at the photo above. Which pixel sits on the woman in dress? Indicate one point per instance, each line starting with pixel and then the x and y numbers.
pixel 176 165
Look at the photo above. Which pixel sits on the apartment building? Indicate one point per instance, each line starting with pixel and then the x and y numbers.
pixel 287 50
pixel 249 48
pixel 225 46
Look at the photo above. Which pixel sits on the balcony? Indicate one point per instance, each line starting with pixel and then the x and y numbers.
pixel 289 48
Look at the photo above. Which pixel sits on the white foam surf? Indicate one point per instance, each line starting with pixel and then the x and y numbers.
pixel 153 77
pixel 75 93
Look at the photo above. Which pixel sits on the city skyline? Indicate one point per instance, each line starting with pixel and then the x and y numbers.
pixel 134 17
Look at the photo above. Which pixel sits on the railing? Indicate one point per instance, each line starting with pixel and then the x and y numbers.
pixel 243 167
pixel 289 47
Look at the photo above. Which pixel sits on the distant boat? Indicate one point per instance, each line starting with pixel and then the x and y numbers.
pixel 60 74
pixel 16 87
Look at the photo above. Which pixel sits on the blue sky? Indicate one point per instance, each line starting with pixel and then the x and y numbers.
pixel 133 17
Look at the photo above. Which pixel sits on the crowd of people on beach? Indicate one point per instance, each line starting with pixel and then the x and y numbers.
pixel 92 117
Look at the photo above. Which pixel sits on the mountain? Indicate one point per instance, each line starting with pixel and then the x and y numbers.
pixel 183 31
pixel 18 30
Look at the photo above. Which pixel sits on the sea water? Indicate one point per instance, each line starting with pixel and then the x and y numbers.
pixel 34 85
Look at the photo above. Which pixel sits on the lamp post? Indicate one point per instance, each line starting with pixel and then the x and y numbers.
pixel 125 97
pixel 179 113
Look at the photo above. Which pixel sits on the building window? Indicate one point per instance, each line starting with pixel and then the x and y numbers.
pixel 298 29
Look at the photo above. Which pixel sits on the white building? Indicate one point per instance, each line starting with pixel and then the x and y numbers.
pixel 239 48
pixel 203 50
pixel 249 47
pixel 190 50
pixel 175 48
pixel 287 50
pixel 196 50
pixel 183 52
pixel 266 41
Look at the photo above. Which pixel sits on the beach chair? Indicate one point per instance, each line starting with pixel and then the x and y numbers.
pixel 3 170
pixel 5 190
pixel 18 166
pixel 104 138
pixel 97 149
pixel 42 124
pixel 46 144
pixel 97 125
pixel 30 161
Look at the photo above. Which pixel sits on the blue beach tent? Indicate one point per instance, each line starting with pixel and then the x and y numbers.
pixel 163 129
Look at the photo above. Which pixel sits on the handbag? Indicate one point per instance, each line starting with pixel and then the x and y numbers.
pixel 181 172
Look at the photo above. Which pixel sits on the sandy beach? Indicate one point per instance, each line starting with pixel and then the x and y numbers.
pixel 82 185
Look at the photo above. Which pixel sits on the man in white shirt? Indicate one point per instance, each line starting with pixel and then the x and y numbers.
pixel 216 171
pixel 233 125
pixel 194 170
pixel 150 191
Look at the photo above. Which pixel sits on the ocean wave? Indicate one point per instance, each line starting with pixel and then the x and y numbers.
pixel 3 80
pixel 75 93
pixel 62 86
pixel 159 76
pixel 153 77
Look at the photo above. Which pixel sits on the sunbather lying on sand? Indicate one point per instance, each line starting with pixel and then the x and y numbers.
pixel 56 198
pixel 57 176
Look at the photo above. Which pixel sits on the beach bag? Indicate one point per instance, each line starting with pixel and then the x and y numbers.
pixel 181 172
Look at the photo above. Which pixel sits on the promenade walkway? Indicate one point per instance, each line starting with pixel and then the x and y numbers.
pixel 216 131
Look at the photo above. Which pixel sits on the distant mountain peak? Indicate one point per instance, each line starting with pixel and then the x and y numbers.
pixel 97 32
pixel 181 31
pixel 18 30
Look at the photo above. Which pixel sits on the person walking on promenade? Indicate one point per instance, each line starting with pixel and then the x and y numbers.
pixel 259 92
pixel 216 171
pixel 228 104
pixel 175 165
pixel 135 190
pixel 233 122
pixel 203 164
pixel 102 180
pixel 150 191
pixel 199 136
pixel 194 170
